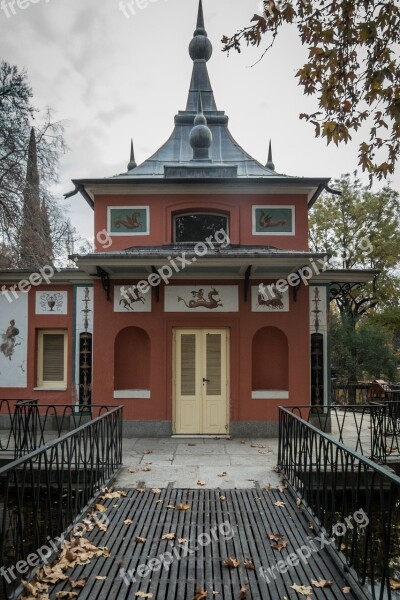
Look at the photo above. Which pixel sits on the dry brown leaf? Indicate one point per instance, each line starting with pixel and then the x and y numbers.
pixel 148 452
pixel 266 487
pixel 115 505
pixel 304 590
pixel 242 442
pixel 223 474
pixel 109 494
pixel 79 583
pixel 171 506
pixel 101 526
pixel 168 536
pixel 279 503
pixel 310 525
pixel 346 589
pixel 275 537
pixel 128 522
pixel 201 482
pixel 182 540
pixel 276 469
pixel 394 584
pixel 321 583
pixel 248 563
pixel 281 488
pixel 222 497
pixel 144 594
pixel 158 501
pixel 200 594
pixel 298 501
pixel 146 469
pixel 66 594
pixel 101 577
pixel 183 507
pixel 133 470
pixel 156 491
pixel 140 540
pixel 34 587
pixel 100 508
pixel 232 562
pixel 141 490
pixel 280 545
pixel 244 590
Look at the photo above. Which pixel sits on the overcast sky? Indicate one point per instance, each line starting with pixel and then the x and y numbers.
pixel 111 77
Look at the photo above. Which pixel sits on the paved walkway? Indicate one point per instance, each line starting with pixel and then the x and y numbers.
pixel 219 463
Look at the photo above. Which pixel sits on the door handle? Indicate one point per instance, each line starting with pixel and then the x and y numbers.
pixel 206 380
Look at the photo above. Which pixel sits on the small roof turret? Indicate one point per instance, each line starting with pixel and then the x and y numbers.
pixel 132 163
pixel 200 137
pixel 270 164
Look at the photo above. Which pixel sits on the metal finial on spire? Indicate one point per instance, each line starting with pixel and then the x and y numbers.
pixel 200 28
pixel 132 163
pixel 200 137
pixel 270 163
pixel 200 47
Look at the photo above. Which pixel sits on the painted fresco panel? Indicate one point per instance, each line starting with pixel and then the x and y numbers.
pixel 128 220
pixel 132 300
pixel 51 303
pixel 269 299
pixel 274 220
pixel 13 341
pixel 202 299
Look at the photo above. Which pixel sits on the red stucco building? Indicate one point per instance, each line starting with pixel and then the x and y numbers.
pixel 201 309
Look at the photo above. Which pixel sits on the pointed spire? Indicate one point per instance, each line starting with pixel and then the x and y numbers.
pixel 200 29
pixel 132 163
pixel 35 238
pixel 270 163
pixel 200 50
pixel 200 137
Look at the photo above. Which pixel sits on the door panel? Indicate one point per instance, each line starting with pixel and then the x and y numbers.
pixel 201 382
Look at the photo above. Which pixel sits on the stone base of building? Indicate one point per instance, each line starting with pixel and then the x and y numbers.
pixel 254 429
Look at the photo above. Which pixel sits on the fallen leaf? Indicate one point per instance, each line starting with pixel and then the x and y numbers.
pixel 115 506
pixel 183 507
pixel 276 469
pixel 280 545
pixel 109 494
pixel 168 536
pixel 200 594
pixel 146 469
pixel 143 594
pixel 310 525
pixel 156 491
pixel 100 508
pixel 101 577
pixel 133 470
pixel 232 562
pixel 244 590
pixel 158 501
pixel 101 526
pixel 305 590
pixel 141 490
pixel 201 482
pixel 279 503
pixel 321 583
pixel 242 442
pixel 298 501
pixel 346 590
pixel 281 488
pixel 140 540
pixel 222 497
pixel 248 563
pixel 66 594
pixel 128 522
pixel 223 474
pixel 148 452
pixel 266 487
pixel 182 540
pixel 171 506
pixel 79 583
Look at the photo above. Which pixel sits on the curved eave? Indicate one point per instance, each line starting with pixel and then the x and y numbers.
pixel 312 187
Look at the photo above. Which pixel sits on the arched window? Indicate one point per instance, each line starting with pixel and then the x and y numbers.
pixel 198 226
pixel 270 360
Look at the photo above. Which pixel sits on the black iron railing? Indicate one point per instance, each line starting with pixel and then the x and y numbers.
pixel 27 425
pixel 352 500
pixel 373 429
pixel 42 493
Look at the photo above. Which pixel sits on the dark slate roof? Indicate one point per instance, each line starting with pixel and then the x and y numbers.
pixel 177 151
pixel 231 251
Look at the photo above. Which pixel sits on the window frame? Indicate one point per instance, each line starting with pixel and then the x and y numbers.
pixel 46 384
pixel 193 214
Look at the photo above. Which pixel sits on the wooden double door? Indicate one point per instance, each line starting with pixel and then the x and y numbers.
pixel 201 386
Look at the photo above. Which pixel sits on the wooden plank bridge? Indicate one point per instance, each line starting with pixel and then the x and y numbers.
pixel 219 524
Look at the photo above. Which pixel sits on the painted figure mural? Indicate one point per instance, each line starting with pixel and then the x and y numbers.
pixel 9 340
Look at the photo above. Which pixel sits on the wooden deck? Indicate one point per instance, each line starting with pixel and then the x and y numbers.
pixel 251 514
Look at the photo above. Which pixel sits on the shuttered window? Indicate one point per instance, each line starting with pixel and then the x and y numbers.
pixel 214 358
pixel 188 365
pixel 52 358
